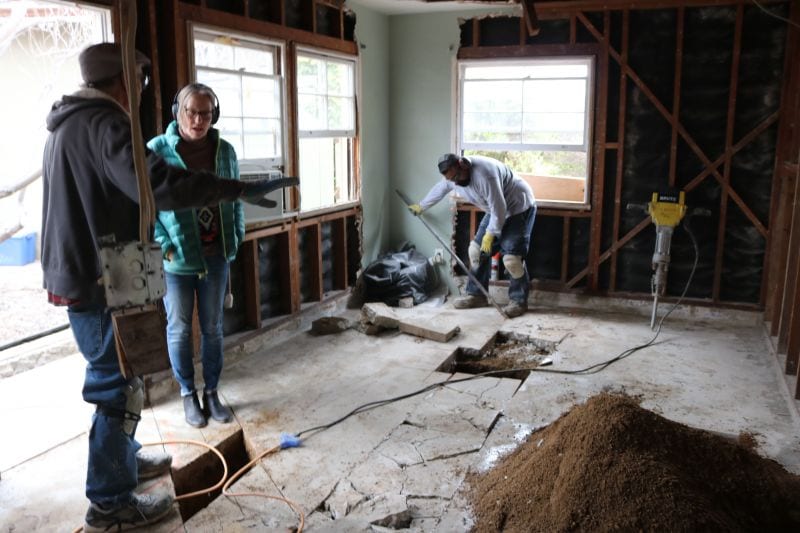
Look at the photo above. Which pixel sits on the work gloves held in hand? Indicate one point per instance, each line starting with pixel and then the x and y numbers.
pixel 486 243
pixel 255 191
pixel 415 209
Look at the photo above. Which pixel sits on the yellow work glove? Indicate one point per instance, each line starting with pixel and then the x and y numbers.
pixel 415 209
pixel 486 243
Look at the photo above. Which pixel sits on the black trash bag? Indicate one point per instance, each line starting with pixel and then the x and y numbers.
pixel 397 275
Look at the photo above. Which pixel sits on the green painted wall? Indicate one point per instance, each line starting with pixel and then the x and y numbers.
pixel 423 52
pixel 408 106
pixel 372 36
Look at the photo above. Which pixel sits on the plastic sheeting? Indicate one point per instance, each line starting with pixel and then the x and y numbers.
pixel 399 274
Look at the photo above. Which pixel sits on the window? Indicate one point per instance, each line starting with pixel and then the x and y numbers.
pixel 534 115
pixel 39 49
pixel 326 109
pixel 245 74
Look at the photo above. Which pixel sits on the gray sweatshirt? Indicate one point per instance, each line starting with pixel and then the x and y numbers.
pixel 493 187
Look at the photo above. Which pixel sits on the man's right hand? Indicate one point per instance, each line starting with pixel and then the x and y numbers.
pixel 257 189
pixel 415 209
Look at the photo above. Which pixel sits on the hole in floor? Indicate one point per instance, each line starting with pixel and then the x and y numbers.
pixel 512 351
pixel 206 471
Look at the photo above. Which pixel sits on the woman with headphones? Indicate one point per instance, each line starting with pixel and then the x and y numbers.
pixel 198 245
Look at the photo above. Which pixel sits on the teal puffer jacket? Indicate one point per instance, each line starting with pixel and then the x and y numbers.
pixel 178 230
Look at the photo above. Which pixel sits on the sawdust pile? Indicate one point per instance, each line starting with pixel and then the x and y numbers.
pixel 610 465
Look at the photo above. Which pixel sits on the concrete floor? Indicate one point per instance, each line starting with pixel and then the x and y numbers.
pixel 404 462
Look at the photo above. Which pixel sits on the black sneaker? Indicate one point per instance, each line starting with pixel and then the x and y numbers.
pixel 152 463
pixel 142 510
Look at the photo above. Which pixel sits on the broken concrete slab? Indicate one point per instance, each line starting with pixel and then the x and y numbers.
pixel 428 329
pixel 421 324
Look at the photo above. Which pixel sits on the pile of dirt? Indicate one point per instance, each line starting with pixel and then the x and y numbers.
pixel 610 465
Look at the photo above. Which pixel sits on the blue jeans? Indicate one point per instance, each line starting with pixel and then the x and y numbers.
pixel 515 239
pixel 179 303
pixel 112 472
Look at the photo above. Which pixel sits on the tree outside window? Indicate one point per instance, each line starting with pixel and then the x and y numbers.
pixel 534 115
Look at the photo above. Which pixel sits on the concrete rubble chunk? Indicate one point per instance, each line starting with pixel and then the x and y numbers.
pixel 406 303
pixel 368 329
pixel 328 325
pixel 401 520
pixel 343 499
pixel 380 507
pixel 380 314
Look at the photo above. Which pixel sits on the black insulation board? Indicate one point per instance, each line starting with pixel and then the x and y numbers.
pixel 305 247
pixel 353 233
pixel 270 278
pixel 327 253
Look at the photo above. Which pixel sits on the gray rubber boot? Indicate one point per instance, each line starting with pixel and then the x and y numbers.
pixel 214 407
pixel 191 408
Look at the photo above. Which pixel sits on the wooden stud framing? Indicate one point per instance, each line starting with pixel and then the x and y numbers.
pixel 598 181
pixel 339 238
pixel 676 99
pixel 726 174
pixel 785 178
pixel 260 27
pixel 252 296
pixel 789 334
pixel 623 100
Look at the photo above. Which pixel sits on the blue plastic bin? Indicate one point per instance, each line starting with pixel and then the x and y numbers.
pixel 18 250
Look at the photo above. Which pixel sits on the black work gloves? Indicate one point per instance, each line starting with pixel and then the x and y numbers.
pixel 255 191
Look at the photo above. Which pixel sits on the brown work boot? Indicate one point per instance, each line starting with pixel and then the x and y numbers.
pixel 470 301
pixel 515 309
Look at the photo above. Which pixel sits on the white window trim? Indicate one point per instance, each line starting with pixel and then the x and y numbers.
pixel 280 163
pixel 458 108
pixel 354 185
pixel 343 58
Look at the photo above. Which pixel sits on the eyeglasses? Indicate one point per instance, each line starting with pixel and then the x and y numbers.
pixel 144 81
pixel 205 116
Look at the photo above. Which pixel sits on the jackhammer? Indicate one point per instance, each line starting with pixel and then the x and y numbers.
pixel 666 210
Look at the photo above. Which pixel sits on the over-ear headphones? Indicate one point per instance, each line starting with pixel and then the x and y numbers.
pixel 194 88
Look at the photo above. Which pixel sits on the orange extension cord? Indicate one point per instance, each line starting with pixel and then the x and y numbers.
pixel 225 484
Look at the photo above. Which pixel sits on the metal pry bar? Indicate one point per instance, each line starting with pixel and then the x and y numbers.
pixel 454 256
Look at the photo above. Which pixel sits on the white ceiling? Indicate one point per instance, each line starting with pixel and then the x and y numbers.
pixel 406 7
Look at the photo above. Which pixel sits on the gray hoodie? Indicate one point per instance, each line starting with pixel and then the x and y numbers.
pixel 90 190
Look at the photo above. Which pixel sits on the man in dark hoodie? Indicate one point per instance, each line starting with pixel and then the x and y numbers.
pixel 91 196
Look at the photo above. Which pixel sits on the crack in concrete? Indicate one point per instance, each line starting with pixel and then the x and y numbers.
pixel 456 454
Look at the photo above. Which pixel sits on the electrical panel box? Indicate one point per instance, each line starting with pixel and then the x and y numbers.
pixel 133 274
